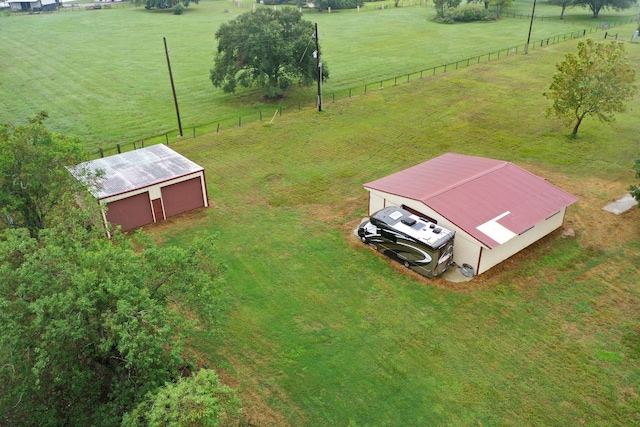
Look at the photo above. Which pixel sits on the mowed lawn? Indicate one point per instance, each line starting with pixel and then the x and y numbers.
pixel 102 74
pixel 320 330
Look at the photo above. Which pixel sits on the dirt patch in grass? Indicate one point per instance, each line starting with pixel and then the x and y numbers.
pixel 255 410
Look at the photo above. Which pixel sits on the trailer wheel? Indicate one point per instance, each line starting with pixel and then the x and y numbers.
pixel 363 239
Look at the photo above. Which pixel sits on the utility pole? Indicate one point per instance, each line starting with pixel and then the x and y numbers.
pixel 319 62
pixel 173 88
pixel 526 47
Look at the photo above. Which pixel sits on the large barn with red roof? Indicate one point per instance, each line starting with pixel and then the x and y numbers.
pixel 496 208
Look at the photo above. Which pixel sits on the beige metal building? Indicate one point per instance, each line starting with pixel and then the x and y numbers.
pixel 495 207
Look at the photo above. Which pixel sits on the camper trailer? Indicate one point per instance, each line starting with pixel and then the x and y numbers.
pixel 416 242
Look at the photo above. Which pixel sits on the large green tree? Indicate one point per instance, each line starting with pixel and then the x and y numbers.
pixel 596 82
pixel 597 5
pixel 89 325
pixel 34 183
pixel 268 48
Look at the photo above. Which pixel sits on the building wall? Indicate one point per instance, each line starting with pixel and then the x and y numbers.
pixel 193 184
pixel 492 257
pixel 131 212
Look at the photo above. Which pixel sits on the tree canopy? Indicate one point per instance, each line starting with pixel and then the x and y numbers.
pixel 198 400
pixel 89 326
pixel 597 5
pixel 267 48
pixel 33 180
pixel 596 82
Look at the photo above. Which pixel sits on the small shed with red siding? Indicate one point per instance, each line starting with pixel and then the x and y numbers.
pixel 145 186
pixel 496 208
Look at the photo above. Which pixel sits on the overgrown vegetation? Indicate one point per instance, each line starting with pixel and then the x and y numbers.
pixel 466 13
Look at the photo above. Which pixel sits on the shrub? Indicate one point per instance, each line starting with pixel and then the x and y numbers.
pixel 338 4
pixel 178 9
pixel 467 13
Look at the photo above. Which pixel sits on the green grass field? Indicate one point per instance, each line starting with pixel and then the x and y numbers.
pixel 102 74
pixel 321 331
pixel 325 332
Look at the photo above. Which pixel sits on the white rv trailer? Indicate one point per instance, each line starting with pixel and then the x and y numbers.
pixel 416 242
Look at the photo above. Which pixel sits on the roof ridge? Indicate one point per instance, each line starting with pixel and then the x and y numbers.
pixel 471 178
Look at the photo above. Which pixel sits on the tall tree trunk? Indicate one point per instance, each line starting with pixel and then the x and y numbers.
pixel 575 128
pixel 562 13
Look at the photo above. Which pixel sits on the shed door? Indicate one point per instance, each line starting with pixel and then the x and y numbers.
pixel 183 196
pixel 130 213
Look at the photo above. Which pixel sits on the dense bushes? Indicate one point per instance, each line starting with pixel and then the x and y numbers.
pixel 338 4
pixel 467 13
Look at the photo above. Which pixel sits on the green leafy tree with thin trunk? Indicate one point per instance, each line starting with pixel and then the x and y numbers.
pixel 563 4
pixel 501 6
pixel 267 48
pixel 596 82
pixel 442 5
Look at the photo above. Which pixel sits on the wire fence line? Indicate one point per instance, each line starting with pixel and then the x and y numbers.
pixel 365 8
pixel 172 136
pixel 193 132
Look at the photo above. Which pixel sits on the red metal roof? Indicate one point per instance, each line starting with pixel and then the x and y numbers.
pixel 476 193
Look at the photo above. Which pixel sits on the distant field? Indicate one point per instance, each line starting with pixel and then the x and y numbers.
pixel 322 331
pixel 102 74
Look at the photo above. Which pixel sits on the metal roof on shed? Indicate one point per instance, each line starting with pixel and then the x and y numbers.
pixel 491 200
pixel 135 169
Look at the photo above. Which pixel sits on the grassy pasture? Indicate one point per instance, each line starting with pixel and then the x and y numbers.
pixel 102 74
pixel 322 331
